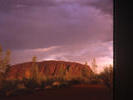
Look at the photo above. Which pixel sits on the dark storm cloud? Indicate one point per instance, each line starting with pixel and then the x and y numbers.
pixel 104 5
pixel 9 5
pixel 28 26
pixel 40 27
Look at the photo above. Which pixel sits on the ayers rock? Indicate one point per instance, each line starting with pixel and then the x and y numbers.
pixel 48 68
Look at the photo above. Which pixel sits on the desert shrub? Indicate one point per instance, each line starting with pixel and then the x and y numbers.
pixel 74 81
pixel 59 79
pixel 20 86
pixel 43 84
pixel 30 84
pixel 49 81
pixel 107 76
pixel 56 84
pixel 64 84
pixel 94 81
pixel 8 87
pixel 9 84
pixel 48 87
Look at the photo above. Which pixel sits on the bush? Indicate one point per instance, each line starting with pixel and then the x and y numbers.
pixel 30 84
pixel 64 84
pixel 8 87
pixel 56 84
pixel 21 86
pixel 94 81
pixel 43 84
pixel 74 81
pixel 107 76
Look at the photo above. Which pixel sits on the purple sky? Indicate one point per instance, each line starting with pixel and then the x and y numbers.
pixel 70 30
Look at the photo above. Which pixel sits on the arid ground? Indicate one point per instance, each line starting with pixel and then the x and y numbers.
pixel 77 92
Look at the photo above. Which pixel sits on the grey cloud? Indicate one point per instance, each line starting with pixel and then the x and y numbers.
pixel 38 27
pixel 105 6
pixel 11 5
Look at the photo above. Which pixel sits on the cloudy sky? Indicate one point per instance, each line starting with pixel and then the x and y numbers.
pixel 70 30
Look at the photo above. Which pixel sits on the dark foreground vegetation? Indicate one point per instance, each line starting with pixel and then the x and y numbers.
pixel 102 81
pixel 86 92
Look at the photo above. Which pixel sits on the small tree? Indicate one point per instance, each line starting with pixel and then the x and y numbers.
pixel 34 59
pixel 7 57
pixel 33 81
pixel 34 69
pixel 93 75
pixel 94 65
pixel 107 76
pixel 6 61
pixel 0 54
pixel 1 66
pixel 4 64
pixel 85 72
pixel 1 60
pixel 86 63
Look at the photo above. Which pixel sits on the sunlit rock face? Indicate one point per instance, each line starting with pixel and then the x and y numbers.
pixel 49 69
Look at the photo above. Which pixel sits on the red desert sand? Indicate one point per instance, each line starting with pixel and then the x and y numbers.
pixel 76 92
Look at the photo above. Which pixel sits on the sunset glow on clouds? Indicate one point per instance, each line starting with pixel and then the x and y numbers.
pixel 70 30
pixel 81 54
